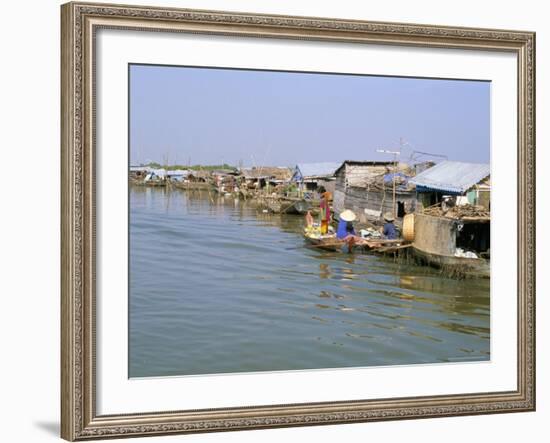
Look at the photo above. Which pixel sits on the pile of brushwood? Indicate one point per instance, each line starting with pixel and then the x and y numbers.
pixel 458 212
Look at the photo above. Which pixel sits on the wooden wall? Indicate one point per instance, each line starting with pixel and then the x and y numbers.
pixel 360 175
pixel 352 192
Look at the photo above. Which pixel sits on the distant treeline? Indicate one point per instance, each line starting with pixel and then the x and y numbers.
pixel 193 167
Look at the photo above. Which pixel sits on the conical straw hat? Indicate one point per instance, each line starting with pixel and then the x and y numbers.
pixel 389 216
pixel 348 215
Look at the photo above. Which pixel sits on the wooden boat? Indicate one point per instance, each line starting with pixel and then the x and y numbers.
pixel 290 205
pixel 330 242
pixel 384 245
pixel 327 242
pixel 300 207
pixel 150 183
pixel 457 266
pixel 436 241
pixel 274 205
pixel 281 205
pixel 193 186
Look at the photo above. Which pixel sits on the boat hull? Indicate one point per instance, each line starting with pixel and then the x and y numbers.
pixel 193 186
pixel 460 266
pixel 326 243
pixel 286 205
pixel 151 183
pixel 299 207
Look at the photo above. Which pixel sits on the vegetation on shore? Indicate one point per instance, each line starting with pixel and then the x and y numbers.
pixel 156 165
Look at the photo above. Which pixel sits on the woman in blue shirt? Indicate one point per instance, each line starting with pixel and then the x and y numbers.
pixel 345 225
pixel 345 229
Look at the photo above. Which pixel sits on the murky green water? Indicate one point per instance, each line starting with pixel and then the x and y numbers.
pixel 216 287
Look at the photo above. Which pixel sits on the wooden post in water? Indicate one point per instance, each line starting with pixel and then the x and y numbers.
pixel 393 182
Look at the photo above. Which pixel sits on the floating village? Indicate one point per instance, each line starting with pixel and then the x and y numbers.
pixel 436 214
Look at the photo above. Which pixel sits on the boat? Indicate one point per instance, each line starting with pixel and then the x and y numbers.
pixel 150 183
pixel 327 242
pixel 445 243
pixel 330 242
pixel 453 265
pixel 193 186
pixel 384 245
pixel 301 206
pixel 274 205
pixel 290 205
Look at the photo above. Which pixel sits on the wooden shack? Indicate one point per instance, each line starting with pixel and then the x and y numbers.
pixel 224 180
pixel 364 187
pixel 258 177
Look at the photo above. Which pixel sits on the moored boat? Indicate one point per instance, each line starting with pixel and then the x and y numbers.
pixel 150 183
pixel 301 205
pixel 193 186
pixel 384 246
pixel 290 205
pixel 459 247
pixel 453 265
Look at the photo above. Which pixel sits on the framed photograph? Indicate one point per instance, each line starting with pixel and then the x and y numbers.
pixel 275 221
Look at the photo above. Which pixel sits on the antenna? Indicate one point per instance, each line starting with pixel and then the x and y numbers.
pixel 386 151
pixel 415 155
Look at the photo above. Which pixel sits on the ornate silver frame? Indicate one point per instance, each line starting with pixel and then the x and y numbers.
pixel 80 21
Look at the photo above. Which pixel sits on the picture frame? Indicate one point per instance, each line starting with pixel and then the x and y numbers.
pixel 80 24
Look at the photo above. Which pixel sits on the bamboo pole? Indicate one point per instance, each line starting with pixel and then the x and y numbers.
pixel 393 182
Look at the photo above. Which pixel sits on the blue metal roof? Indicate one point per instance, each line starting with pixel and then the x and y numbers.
pixel 452 177
pixel 158 172
pixel 304 170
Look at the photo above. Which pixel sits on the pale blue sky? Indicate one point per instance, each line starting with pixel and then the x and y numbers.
pixel 206 116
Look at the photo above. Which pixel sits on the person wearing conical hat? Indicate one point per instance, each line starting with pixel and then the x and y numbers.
pixel 345 225
pixel 346 231
pixel 388 230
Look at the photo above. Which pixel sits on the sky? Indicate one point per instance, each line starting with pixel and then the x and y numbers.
pixel 187 115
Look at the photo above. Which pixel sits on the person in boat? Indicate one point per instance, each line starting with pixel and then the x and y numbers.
pixel 309 219
pixel 325 212
pixel 345 225
pixel 346 231
pixel 388 230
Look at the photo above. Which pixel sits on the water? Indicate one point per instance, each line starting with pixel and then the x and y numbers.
pixel 216 287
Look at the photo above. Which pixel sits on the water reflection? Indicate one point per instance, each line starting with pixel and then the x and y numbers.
pixel 324 271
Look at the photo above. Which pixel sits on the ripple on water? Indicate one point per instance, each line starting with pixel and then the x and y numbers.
pixel 216 288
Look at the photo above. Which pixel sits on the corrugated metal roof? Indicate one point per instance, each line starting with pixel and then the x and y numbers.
pixel 317 169
pixel 454 177
pixel 177 173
